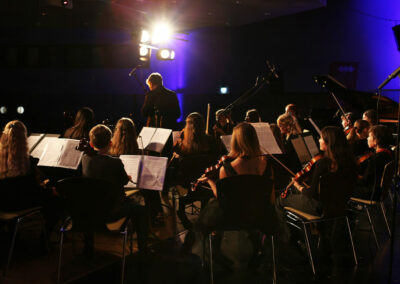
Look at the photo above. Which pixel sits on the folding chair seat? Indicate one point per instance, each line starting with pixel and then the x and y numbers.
pixel 89 202
pixel 245 201
pixel 367 204
pixel 335 189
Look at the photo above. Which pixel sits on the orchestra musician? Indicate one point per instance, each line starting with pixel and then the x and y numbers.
pixel 161 106
pixel 370 116
pixel 337 157
pixel 102 166
pixel 358 137
pixel 347 122
pixel 223 126
pixel 292 110
pixel 252 115
pixel 371 169
pixel 84 121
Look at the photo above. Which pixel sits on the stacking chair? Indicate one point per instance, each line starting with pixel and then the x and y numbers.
pixel 335 190
pixel 17 197
pixel 367 204
pixel 245 201
pixel 88 202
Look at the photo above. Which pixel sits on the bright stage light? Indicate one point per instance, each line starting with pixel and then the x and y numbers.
pixel 143 51
pixel 165 54
pixel 20 110
pixel 223 90
pixel 145 37
pixel 162 32
pixel 3 110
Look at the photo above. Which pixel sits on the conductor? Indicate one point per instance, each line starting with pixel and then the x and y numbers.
pixel 161 107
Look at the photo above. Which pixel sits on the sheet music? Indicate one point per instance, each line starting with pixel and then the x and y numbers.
pixel 70 157
pixel 131 165
pixel 33 140
pixel 311 145
pixel 51 152
pixel 146 134
pixel 266 138
pixel 301 149
pixel 153 173
pixel 226 140
pixel 38 151
pixel 159 139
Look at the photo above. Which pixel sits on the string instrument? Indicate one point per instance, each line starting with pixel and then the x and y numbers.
pixel 208 118
pixel 84 146
pixel 213 171
pixel 368 155
pixel 302 173
pixel 347 130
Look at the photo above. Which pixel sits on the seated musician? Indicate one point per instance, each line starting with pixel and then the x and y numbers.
pixel 222 125
pixel 102 166
pixel 358 137
pixel 84 120
pixel 348 120
pixel 292 110
pixel 370 116
pixel 244 159
pixel 289 131
pixel 124 142
pixel 337 157
pixel 15 162
pixel 252 115
pixel 371 169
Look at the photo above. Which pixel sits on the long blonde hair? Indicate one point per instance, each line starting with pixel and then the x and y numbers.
pixel 124 140
pixel 244 142
pixel 14 158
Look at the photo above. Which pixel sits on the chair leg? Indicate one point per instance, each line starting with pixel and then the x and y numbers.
pixel 308 248
pixel 273 260
pixel 351 240
pixel 59 257
pixel 372 227
pixel 211 260
pixel 10 252
pixel 123 256
pixel 384 216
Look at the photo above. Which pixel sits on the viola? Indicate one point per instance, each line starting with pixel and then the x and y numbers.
pixel 84 146
pixel 364 157
pixel 347 130
pixel 213 171
pixel 302 173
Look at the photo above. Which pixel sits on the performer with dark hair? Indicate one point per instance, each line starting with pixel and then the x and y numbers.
pixel 161 106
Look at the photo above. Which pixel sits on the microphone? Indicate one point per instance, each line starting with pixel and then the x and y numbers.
pixel 389 78
pixel 134 69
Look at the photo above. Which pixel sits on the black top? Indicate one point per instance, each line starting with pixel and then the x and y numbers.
pixel 230 171
pixel 320 168
pixel 165 103
pixel 360 147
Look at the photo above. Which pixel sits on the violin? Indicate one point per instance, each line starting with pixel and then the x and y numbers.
pixel 84 146
pixel 213 171
pixel 368 155
pixel 302 173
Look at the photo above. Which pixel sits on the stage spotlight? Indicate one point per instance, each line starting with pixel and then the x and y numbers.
pixel 20 110
pixel 223 90
pixel 162 32
pixel 145 37
pixel 165 54
pixel 3 110
pixel 144 53
pixel 64 3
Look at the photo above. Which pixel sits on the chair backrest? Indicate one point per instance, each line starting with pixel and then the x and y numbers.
pixel 88 201
pixel 19 193
pixel 335 189
pixel 192 167
pixel 246 202
pixel 386 180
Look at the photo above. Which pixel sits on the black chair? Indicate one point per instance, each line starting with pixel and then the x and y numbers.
pixel 335 190
pixel 245 201
pixel 366 204
pixel 89 202
pixel 19 203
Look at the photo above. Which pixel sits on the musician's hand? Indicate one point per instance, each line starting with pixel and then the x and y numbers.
pixel 203 178
pixel 175 155
pixel 297 185
pixel 130 177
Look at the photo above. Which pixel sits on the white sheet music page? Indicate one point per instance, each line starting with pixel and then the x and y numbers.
pixel 70 157
pixel 145 137
pixel 51 152
pixel 33 140
pixel 311 145
pixel 301 149
pixel 226 139
pixel 159 139
pixel 131 165
pixel 266 138
pixel 38 151
pixel 153 173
